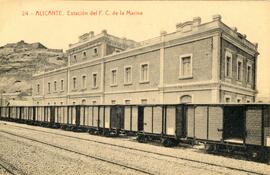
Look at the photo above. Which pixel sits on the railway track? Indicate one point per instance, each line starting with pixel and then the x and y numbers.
pixel 79 153
pixel 140 150
pixel 10 168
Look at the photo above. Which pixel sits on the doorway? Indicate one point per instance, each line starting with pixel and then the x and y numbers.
pixel 234 122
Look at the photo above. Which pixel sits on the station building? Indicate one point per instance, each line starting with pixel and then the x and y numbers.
pixel 198 63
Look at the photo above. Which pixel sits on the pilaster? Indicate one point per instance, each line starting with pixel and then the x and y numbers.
pixel 161 69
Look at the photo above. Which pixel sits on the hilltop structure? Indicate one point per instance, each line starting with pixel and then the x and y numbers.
pixel 198 63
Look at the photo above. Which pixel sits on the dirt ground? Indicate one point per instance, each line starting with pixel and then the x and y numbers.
pixel 54 151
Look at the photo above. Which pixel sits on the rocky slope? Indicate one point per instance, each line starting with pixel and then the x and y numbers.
pixel 18 61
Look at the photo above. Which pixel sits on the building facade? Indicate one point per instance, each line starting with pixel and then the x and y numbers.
pixel 198 63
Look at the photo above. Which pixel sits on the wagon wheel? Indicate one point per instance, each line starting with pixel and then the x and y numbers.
pixel 257 154
pixel 209 147
pixel 167 142
pixel 141 138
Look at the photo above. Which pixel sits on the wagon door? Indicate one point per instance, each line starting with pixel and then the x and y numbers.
pixel 215 123
pixel 254 115
pixel 117 117
pixel 208 122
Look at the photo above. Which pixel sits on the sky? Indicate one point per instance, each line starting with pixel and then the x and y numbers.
pixel 22 20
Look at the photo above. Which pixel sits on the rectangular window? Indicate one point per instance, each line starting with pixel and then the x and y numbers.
pixel 239 70
pixel 38 88
pixel 94 102
pixel 128 75
pixel 49 87
pixel 62 85
pixel 55 86
pixel 227 99
pixel 239 100
pixel 95 52
pixel 94 80
pixel 249 74
pixel 113 102
pixel 144 72
pixel 84 54
pixel 185 66
pixel 74 83
pixel 228 64
pixel 144 101
pixel 127 102
pixel 84 82
pixel 113 77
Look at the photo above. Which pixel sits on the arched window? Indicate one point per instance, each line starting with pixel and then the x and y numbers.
pixel 185 99
pixel 83 102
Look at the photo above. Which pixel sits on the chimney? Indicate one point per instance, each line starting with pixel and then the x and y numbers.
pixel 256 45
pixel 91 34
pixel 196 21
pixel 216 17
pixel 104 31
pixel 234 29
pixel 163 32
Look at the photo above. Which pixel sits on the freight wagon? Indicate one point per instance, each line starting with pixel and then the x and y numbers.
pixel 221 127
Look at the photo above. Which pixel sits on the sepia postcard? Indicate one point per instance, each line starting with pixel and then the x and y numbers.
pixel 147 87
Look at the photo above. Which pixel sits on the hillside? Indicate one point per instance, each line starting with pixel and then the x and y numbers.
pixel 18 61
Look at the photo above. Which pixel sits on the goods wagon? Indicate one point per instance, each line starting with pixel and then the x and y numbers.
pixel 246 125
pixel 43 116
pixel 130 119
pixel 102 119
pixel 4 113
pixel 221 127
pixel 166 122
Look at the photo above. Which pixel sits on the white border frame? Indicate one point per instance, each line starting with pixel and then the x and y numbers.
pixel 148 78
pixel 249 64
pixel 191 95
pixel 180 76
pixel 227 96
pixel 55 86
pixel 239 98
pixel 84 87
pixel 49 87
pixel 95 54
pixel 228 53
pixel 127 83
pixel 84 56
pixel 126 100
pixel 82 101
pixel 62 90
pixel 240 58
pixel 38 88
pixel 147 101
pixel 92 80
pixel 116 79
pixel 72 83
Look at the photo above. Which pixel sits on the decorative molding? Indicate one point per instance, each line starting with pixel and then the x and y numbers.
pixel 237 89
pixel 132 91
pixel 231 40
